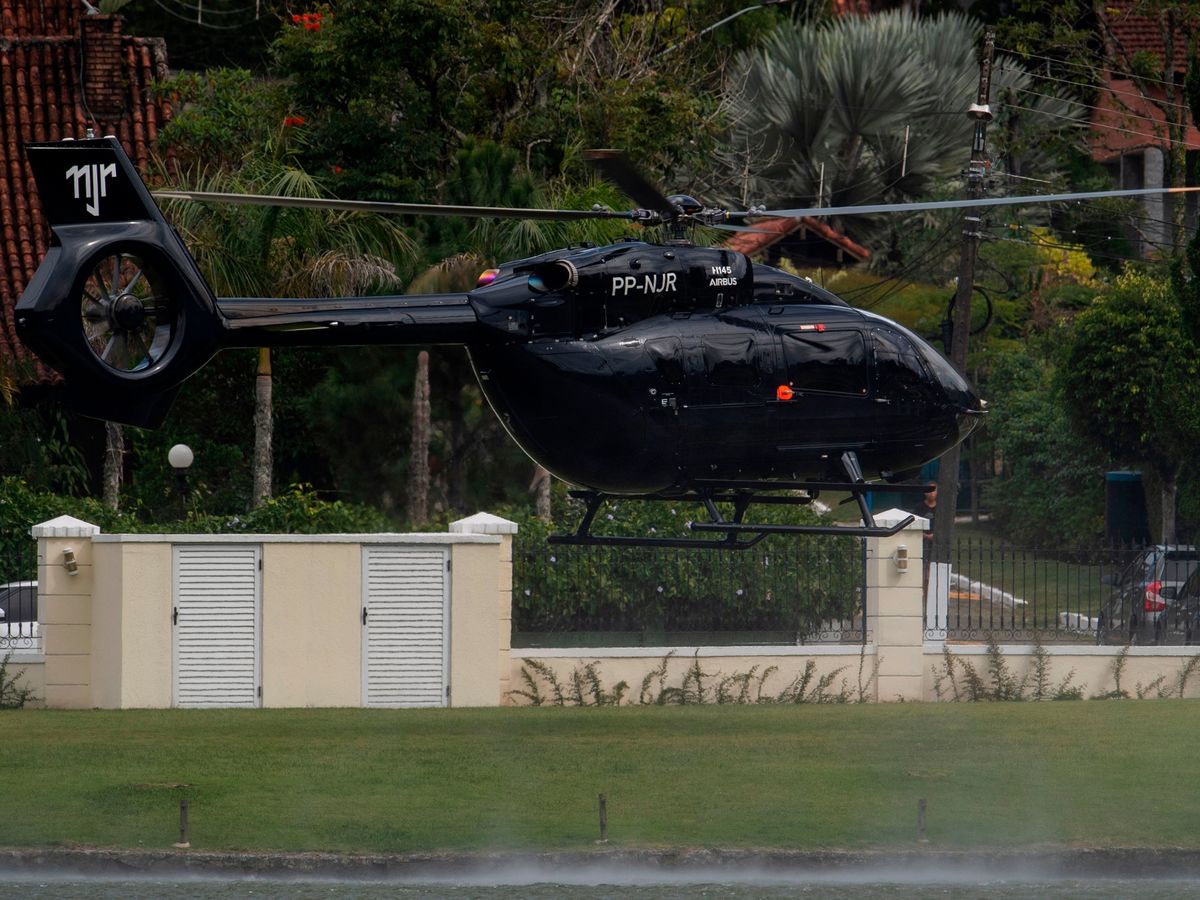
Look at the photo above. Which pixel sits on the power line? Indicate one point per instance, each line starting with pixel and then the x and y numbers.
pixel 1100 88
pixel 200 8
pixel 1050 245
pixel 978 202
pixel 194 21
pixel 1074 65
pixel 1127 131
pixel 1118 112
pixel 898 281
pixel 1019 226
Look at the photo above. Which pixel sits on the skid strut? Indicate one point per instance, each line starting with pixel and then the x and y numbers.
pixel 738 534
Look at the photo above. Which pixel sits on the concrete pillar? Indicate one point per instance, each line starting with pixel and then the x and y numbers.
pixel 486 523
pixel 1156 226
pixel 65 609
pixel 895 608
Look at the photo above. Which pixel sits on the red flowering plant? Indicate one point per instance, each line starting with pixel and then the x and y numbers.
pixel 310 21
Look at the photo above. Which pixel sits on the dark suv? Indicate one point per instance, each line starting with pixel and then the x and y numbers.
pixel 1142 607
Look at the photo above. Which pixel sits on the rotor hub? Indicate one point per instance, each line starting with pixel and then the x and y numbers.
pixel 128 312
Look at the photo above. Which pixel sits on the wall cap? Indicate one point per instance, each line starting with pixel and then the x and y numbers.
pixel 249 538
pixel 64 526
pixel 483 523
pixel 683 654
pixel 890 517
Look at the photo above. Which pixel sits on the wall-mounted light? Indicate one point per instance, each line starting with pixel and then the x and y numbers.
pixel 69 563
pixel 900 558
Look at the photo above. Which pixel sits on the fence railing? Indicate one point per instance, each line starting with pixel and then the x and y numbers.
pixel 19 628
pixel 784 591
pixel 989 589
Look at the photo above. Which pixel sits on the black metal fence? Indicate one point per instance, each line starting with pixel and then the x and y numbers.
pixel 18 616
pixel 1108 595
pixel 783 591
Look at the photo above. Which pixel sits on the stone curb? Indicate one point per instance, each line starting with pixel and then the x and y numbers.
pixel 620 864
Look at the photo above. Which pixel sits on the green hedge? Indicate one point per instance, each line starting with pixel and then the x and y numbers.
pixel 296 511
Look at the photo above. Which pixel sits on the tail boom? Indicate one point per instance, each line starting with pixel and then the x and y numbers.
pixel 119 307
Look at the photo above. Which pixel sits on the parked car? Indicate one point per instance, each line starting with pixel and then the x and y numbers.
pixel 1141 608
pixel 18 611
pixel 1184 612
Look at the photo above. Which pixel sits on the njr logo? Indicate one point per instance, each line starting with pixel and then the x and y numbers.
pixel 93 179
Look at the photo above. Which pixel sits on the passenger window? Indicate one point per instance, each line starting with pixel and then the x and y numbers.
pixel 729 360
pixel 667 360
pixel 832 361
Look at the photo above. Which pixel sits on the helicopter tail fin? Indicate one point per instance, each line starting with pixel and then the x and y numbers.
pixel 117 305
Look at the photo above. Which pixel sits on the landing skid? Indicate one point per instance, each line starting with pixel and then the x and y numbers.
pixel 739 535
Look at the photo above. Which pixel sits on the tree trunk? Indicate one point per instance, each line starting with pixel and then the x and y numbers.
pixel 1170 485
pixel 114 464
pixel 264 424
pixel 540 486
pixel 418 465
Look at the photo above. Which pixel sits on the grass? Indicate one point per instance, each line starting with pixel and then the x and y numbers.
pixel 994 775
pixel 1049 582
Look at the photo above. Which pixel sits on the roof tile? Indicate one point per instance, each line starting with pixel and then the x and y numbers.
pixel 40 101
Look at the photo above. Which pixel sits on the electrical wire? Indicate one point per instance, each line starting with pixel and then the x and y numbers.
pixel 199 24
pixel 1186 231
pixel 1092 254
pixel 1077 248
pixel 199 8
pixel 1124 114
pixel 1100 88
pixel 1130 132
pixel 897 281
pixel 1072 65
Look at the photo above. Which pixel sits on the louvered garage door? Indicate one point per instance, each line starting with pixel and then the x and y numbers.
pixel 216 618
pixel 405 653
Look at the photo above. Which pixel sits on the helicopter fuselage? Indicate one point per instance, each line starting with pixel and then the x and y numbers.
pixel 653 366
pixel 634 368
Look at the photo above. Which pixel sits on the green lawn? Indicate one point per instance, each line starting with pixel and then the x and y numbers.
pixel 805 777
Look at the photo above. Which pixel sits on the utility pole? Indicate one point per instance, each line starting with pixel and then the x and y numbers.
pixel 980 111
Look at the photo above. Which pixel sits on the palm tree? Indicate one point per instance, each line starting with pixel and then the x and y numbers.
pixel 275 251
pixel 487 174
pixel 856 110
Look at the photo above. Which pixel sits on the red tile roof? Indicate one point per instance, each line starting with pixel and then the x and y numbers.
pixel 41 100
pixel 42 18
pixel 1138 32
pixel 1124 121
pixel 772 231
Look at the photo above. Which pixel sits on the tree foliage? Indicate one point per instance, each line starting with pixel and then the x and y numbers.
pixel 1129 372
pixel 1051 492
pixel 855 110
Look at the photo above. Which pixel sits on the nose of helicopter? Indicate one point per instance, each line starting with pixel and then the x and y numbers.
pixel 971 417
pixel 966 405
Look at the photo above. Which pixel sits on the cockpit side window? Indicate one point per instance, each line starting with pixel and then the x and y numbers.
pixel 899 371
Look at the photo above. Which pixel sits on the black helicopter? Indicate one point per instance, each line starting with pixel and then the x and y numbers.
pixel 641 370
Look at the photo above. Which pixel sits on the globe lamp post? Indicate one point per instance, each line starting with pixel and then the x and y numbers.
pixel 180 457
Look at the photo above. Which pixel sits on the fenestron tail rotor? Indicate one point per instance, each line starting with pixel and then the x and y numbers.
pixel 129 318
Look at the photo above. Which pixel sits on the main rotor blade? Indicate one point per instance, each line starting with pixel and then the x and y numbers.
pixel 388 208
pixel 616 167
pixel 1028 200
pixel 743 228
